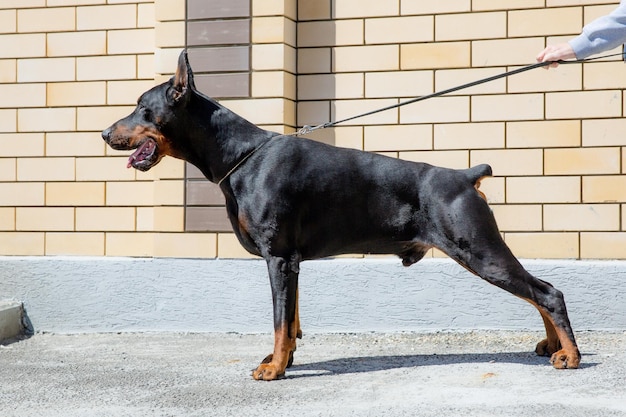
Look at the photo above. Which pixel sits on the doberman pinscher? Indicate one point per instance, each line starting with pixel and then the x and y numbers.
pixel 292 199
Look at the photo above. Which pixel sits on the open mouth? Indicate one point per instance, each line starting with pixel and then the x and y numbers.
pixel 144 156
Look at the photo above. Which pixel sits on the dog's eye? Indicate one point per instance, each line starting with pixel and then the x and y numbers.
pixel 147 114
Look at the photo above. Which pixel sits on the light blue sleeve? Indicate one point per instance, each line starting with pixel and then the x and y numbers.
pixel 604 33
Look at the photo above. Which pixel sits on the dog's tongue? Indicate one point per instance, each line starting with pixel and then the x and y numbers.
pixel 143 151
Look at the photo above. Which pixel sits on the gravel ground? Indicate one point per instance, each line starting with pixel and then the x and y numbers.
pixel 482 373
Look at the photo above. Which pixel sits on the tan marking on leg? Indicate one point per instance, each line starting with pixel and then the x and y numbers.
pixel 273 366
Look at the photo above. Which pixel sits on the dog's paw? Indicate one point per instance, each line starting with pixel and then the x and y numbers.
pixel 547 348
pixel 267 372
pixel 565 360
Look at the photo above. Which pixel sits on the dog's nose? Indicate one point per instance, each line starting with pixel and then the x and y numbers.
pixel 106 134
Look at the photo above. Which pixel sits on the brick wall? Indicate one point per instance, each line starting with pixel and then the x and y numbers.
pixel 68 68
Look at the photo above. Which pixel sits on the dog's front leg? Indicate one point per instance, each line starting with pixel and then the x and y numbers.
pixel 284 281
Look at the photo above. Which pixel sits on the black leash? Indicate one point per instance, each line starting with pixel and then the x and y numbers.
pixel 308 129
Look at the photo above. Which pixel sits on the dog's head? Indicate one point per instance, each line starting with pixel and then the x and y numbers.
pixel 151 127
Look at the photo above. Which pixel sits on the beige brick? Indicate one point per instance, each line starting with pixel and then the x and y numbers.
pixel 22 244
pixel 464 26
pixel 583 161
pixel 76 43
pixel 126 92
pixel 121 67
pixel 166 59
pixel 99 118
pixel 517 218
pixel 74 144
pixel 76 94
pixel 509 5
pixel 45 169
pixel 273 29
pixel 543 190
pixel 398 84
pixel 103 169
pixel 169 34
pixel 8 21
pixel 313 112
pixel 46 69
pixel 435 7
pixel 7 219
pixel 344 137
pixel 603 245
pixel 446 79
pixel 584 104
pixel 229 247
pixel 169 219
pixel 348 108
pixel 448 159
pixel 22 194
pixel 314 9
pixel 75 194
pixel 510 162
pixel 437 110
pixel 538 134
pixel 604 189
pixel 543 245
pixel 106 17
pixel 146 16
pixel 603 132
pixel 133 41
pixel 508 107
pixel 129 193
pixel 8 120
pixel 567 77
pixel 23 45
pixel 582 217
pixel 169 193
pixel 343 9
pixel 34 219
pixel 21 144
pixel 493 188
pixel 399 29
pixel 555 3
pixel 8 169
pixel 275 7
pixel 330 86
pixel 603 75
pixel 539 22
pixel 145 67
pixel 263 111
pixel 166 10
pixel 186 245
pixel 435 55
pixel 57 3
pixel 46 120
pixel 469 135
pixel 8 71
pixel 398 138
pixel 81 244
pixel 54 19
pixel 330 33
pixel 274 57
pixel 314 60
pixel 274 84
pixel 145 219
pixel 129 244
pixel 359 58
pixel 97 219
pixel 505 51
pixel 168 168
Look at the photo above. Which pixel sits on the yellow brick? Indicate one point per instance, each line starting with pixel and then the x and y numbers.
pixel 469 135
pixel 169 219
pixel 103 169
pixel 493 188
pixel 107 219
pixel 134 41
pixel 343 9
pixel 273 29
pixel 510 217
pixel 593 12
pixel 330 33
pixel 584 104
pixel 543 245
pixel 583 217
pixel 582 161
pixel 55 19
pixel 22 194
pixel 347 108
pixel 313 9
pixel 76 43
pixel 146 68
pixel 437 110
pixel 603 132
pixel 81 244
pixel 314 60
pixel 466 26
pixel 75 194
pixel 274 57
pixel 330 86
pixel 186 245
pixel 169 193
pixel 7 219
pixel 539 22
pixel 345 137
pixel 275 7
pixel 398 138
pixel 106 17
pixel 229 247
pixel 603 189
pixel 549 134
pixel 603 75
pixel 509 5
pixel 22 244
pixel 505 51
pixel 359 58
pixel 45 169
pixel 8 169
pixel 398 84
pixel 57 3
pixel 129 193
pixel 46 69
pixel 543 190
pixel 99 118
pixel 74 144
pixel 32 219
pixel 166 10
pixel 399 29
pixel 435 55
pixel 8 71
pixel 435 7
pixel 76 94
pixel 8 21
pixel 507 107
pixel 129 244
pixel 263 111
pixel 567 77
pixel 274 84
pixel 126 92
pixel 106 68
pixel 446 79
pixel 145 219
pixel 146 16
pixel 555 3
pixel 8 120
pixel 448 159
pixel 603 245
pixel 23 45
pixel 21 144
pixel 169 34
pixel 46 120
pixel 506 162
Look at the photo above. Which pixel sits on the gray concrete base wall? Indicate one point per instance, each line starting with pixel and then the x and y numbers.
pixel 75 295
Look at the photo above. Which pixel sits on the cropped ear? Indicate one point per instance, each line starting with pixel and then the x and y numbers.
pixel 182 81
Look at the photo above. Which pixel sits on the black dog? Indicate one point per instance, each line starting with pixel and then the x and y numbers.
pixel 291 200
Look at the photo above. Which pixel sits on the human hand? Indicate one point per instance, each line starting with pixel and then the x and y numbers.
pixel 555 53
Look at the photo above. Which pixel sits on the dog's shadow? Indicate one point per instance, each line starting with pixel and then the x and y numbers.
pixel 363 364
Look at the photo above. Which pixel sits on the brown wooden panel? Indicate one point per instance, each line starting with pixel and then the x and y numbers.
pixel 218 32
pixel 204 193
pixel 224 59
pixel 207 9
pixel 207 219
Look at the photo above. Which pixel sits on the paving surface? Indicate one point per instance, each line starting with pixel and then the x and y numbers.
pixel 483 373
